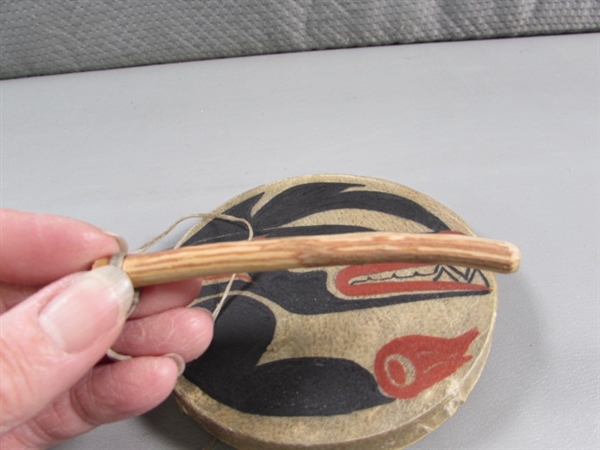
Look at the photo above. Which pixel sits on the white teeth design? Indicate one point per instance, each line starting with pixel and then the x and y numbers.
pixel 429 273
pixel 397 275
pixel 460 275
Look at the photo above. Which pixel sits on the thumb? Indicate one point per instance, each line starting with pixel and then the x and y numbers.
pixel 49 341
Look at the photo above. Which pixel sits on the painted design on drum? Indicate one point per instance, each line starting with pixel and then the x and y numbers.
pixel 230 371
pixel 410 364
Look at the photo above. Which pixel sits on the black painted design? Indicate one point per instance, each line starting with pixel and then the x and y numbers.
pixel 295 292
pixel 302 201
pixel 229 373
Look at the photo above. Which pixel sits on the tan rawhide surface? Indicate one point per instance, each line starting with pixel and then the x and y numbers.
pixel 345 357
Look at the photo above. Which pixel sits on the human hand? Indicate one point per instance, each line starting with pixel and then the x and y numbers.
pixel 58 322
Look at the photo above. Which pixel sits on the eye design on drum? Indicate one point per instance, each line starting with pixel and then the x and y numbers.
pixel 242 368
pixel 410 364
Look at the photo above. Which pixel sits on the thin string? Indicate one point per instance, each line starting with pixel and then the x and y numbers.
pixel 190 233
pixel 214 441
pixel 195 228
pixel 211 444
pixel 223 300
pixel 116 356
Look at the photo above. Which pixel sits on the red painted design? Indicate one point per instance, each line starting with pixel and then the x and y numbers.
pixel 360 281
pixel 408 365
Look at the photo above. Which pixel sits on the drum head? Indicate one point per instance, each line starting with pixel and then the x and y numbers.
pixel 354 357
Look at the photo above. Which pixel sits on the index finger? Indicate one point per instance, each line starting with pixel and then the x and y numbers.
pixel 36 249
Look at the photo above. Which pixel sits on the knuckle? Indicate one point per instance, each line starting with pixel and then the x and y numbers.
pixel 15 389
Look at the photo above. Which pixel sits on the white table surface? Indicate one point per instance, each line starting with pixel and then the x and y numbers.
pixel 504 132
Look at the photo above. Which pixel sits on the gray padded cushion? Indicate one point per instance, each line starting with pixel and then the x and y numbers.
pixel 67 36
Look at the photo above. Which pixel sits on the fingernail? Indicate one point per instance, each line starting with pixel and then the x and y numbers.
pixel 123 247
pixel 92 306
pixel 178 360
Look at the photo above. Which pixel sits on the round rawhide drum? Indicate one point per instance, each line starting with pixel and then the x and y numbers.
pixel 358 357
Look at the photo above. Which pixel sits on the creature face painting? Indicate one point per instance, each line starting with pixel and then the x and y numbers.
pixel 340 342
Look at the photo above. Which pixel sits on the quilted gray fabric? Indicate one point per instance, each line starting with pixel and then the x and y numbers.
pixel 57 36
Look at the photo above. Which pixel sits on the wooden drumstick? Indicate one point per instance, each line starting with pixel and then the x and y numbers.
pixel 317 251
